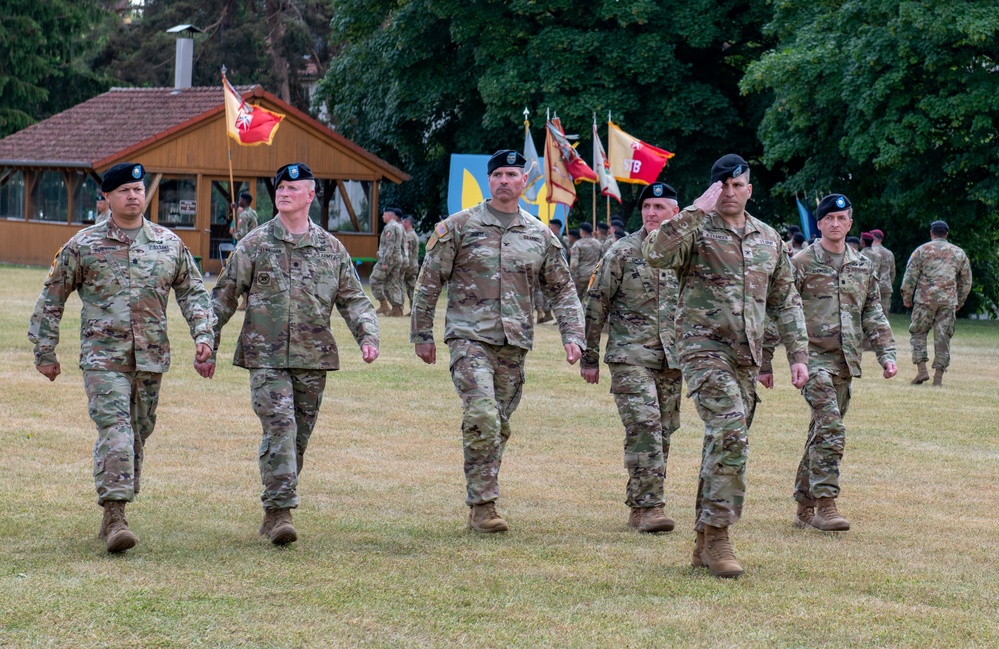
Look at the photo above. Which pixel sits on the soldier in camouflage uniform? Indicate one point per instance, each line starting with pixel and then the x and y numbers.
pixel 640 303
pixel 246 219
pixel 103 211
pixel 733 271
pixel 294 273
pixel 412 258
pixel 490 257
pixel 123 270
pixel 937 281
pixel 586 253
pixel 541 305
pixel 885 269
pixel 605 238
pixel 387 282
pixel 841 301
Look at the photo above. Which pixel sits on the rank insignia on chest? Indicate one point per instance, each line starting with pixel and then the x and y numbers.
pixel 264 279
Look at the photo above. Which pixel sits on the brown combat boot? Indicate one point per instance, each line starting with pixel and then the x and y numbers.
pixel 635 517
pixel 922 376
pixel 396 312
pixel 483 518
pixel 545 317
pixel 653 519
pixel 115 528
pixel 695 559
pixel 938 377
pixel 383 307
pixel 717 554
pixel 277 527
pixel 827 518
pixel 803 517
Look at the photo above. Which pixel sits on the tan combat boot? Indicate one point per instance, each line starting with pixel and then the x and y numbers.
pixel 653 519
pixel 922 376
pixel 635 517
pixel 383 307
pixel 938 377
pixel 115 527
pixel 277 527
pixel 396 312
pixel 483 518
pixel 717 554
pixel 827 518
pixel 695 559
pixel 546 317
pixel 803 517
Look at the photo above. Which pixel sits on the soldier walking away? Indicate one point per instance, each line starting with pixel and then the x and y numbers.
pixel 246 220
pixel 586 252
pixel 841 300
pixel 123 269
pixel 936 283
pixel 412 259
pixel 640 304
pixel 885 269
pixel 387 276
pixel 294 273
pixel 733 272
pixel 490 257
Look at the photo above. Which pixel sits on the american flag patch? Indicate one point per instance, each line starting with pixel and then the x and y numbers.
pixel 440 229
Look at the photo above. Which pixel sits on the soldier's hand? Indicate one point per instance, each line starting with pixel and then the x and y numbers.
pixel 49 371
pixel 572 353
pixel 766 380
pixel 890 370
pixel 590 375
pixel 707 201
pixel 369 353
pixel 205 369
pixel 799 375
pixel 202 352
pixel 427 352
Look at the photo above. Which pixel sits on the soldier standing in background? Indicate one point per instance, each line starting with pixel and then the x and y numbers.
pixel 123 270
pixel 605 238
pixel 886 269
pixel 640 304
pixel 841 299
pixel 387 276
pixel 586 253
pixel 733 272
pixel 937 281
pixel 412 259
pixel 490 257
pixel 294 273
pixel 246 218
pixel 541 304
pixel 103 211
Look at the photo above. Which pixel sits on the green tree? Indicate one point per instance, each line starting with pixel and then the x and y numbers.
pixel 894 104
pixel 418 80
pixel 41 69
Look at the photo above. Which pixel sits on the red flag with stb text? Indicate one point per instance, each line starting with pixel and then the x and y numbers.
pixel 631 160
pixel 247 124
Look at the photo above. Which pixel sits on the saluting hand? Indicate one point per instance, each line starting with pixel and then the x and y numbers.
pixel 707 201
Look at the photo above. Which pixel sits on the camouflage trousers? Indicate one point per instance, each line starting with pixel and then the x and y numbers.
pixel 885 293
pixel 725 396
pixel 287 402
pixel 828 395
pixel 648 401
pixel 123 406
pixel 489 380
pixel 941 319
pixel 409 282
pixel 387 285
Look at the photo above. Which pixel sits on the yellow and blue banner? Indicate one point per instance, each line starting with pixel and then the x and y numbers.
pixel 468 185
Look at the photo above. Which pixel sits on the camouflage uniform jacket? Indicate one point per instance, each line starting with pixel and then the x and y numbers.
pixel 292 289
pixel 639 301
pixel 490 273
pixel 938 274
pixel 413 251
pixel 586 253
pixel 841 308
pixel 392 246
pixel 606 244
pixel 884 264
pixel 728 285
pixel 124 286
pixel 245 222
pixel 102 217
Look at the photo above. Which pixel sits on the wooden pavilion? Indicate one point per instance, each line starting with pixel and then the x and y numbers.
pixel 50 172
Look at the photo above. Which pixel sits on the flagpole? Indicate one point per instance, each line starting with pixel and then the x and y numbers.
pixel 228 143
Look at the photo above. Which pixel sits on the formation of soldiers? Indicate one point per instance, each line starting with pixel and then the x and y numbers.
pixel 701 296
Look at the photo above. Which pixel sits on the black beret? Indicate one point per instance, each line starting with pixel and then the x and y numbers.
pixel 940 225
pixel 574 232
pixel 505 158
pixel 832 203
pixel 728 166
pixel 603 226
pixel 586 227
pixel 293 171
pixel 557 222
pixel 656 190
pixel 121 174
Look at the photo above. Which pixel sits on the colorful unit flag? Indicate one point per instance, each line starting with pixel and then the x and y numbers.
pixel 578 169
pixel 608 186
pixel 533 168
pixel 248 125
pixel 557 178
pixel 634 161
pixel 808 226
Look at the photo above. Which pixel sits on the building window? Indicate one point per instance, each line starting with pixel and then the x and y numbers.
pixel 85 200
pixel 178 202
pixel 49 201
pixel 12 196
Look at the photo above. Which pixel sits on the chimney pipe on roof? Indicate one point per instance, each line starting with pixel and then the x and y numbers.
pixel 184 63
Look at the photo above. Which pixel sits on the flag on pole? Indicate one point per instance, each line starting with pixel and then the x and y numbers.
pixel 534 170
pixel 808 226
pixel 608 186
pixel 557 178
pixel 573 163
pixel 248 125
pixel 634 161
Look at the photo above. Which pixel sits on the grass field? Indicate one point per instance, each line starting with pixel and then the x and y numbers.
pixel 384 558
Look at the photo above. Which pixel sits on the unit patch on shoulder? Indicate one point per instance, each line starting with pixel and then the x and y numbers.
pixel 55 260
pixel 441 229
pixel 264 279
